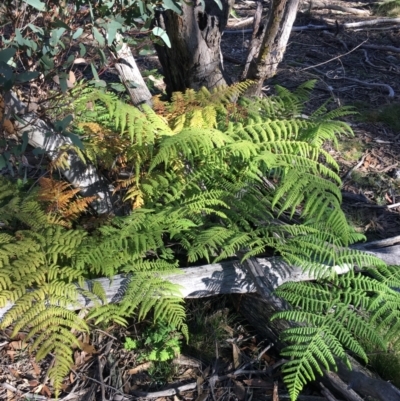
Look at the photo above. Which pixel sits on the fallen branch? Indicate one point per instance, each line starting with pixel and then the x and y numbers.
pixel 346 25
pixel 390 90
pixel 241 23
pixel 229 277
pixel 324 4
pixel 131 75
pixel 82 176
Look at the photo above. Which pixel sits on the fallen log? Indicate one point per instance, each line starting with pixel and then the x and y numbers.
pixel 233 277
pixel 82 175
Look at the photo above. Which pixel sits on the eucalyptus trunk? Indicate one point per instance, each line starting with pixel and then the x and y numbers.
pixel 269 43
pixel 194 59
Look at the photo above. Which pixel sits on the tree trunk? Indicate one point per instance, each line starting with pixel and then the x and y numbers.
pixel 194 59
pixel 269 44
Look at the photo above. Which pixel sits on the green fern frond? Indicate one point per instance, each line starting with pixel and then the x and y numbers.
pixel 337 315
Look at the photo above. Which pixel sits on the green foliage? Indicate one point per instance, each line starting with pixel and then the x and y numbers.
pixel 208 175
pixel 338 315
pixel 161 343
pixel 43 266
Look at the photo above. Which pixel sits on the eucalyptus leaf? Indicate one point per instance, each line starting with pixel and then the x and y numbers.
pixel 98 36
pixel 75 140
pixel 63 84
pixel 7 54
pixel 82 50
pixel 60 126
pixel 112 28
pixel 3 162
pixel 77 33
pixel 94 72
pixel 219 4
pixel 6 75
pixel 36 29
pixel 38 151
pixel 61 24
pixel 173 5
pixel 24 141
pixel 36 4
pixel 26 76
pixel 157 31
pixel 146 51
pixel 47 62
pixel 19 38
pixel 117 87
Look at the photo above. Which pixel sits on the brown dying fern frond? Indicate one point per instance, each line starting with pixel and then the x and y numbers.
pixel 61 199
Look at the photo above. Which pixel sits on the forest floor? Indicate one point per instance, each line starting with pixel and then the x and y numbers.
pixel 223 351
pixel 370 160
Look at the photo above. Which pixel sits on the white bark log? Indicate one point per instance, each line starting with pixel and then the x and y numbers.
pixel 230 277
pixel 131 76
pixel 80 175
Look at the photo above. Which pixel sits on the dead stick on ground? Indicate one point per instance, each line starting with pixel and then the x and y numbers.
pixel 357 166
pixel 335 58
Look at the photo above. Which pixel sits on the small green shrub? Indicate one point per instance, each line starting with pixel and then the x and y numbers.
pixel 160 343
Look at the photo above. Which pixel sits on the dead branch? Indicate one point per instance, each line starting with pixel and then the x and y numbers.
pixel 230 277
pixel 311 4
pixel 233 23
pixel 130 75
pixel 346 25
pixel 83 176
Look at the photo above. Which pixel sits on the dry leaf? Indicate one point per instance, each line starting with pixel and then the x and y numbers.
pixel 11 354
pixel 275 396
pixel 46 391
pixel 203 396
pixel 11 396
pixel 140 368
pixel 36 368
pixel 33 384
pixel 236 355
pixel 17 345
pixel 15 373
pixel 88 348
pixel 71 77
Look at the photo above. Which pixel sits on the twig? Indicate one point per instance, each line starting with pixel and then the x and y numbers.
pixel 358 165
pixel 240 23
pixel 264 351
pixel 166 393
pixel 100 372
pixel 386 86
pixel 335 58
pixel 98 382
